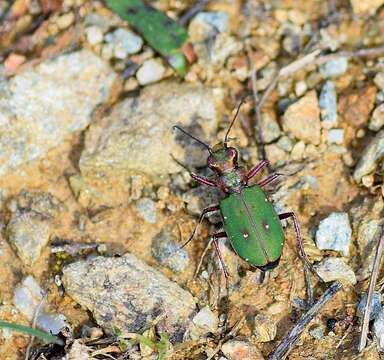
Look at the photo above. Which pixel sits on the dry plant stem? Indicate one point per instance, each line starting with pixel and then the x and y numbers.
pixel 34 321
pixel 372 284
pixel 202 257
pixel 197 7
pixel 290 340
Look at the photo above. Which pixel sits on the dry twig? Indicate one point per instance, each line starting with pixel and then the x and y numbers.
pixel 372 284
pixel 290 340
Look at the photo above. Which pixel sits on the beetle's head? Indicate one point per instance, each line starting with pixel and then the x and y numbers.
pixel 222 158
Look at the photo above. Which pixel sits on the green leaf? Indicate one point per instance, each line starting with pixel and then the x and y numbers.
pixel 162 33
pixel 162 346
pixel 31 331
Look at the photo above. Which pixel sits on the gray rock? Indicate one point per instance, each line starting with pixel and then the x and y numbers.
pixel 375 309
pixel 376 121
pixel 28 298
pixel 43 106
pixel 137 137
pixel 302 119
pixel 218 20
pixel 285 143
pixel 332 268
pixel 147 210
pixel 334 68
pixel 168 252
pixel 328 105
pixel 334 233
pixel 203 323
pixel 378 329
pixel 124 42
pixel 270 129
pixel 128 294
pixel 372 154
pixel 29 233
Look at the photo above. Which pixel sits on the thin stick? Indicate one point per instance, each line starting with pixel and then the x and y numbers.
pixel 196 8
pixel 372 284
pixel 34 321
pixel 202 257
pixel 290 340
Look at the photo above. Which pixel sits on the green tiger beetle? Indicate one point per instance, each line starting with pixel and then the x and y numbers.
pixel 250 221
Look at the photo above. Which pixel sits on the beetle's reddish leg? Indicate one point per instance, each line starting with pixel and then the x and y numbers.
pixel 203 213
pixel 256 169
pixel 203 180
pixel 268 180
pixel 215 237
pixel 307 264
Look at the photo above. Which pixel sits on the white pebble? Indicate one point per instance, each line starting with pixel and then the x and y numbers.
pixel 335 136
pixel 151 71
pixel 94 35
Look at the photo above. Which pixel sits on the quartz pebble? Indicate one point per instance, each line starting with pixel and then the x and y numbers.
pixel 328 105
pixel 203 323
pixel 147 210
pixel 151 71
pixel 334 233
pixel 241 350
pixel 124 43
pixel 334 68
pixel 94 35
pixel 332 268
pixel 377 119
pixel 335 136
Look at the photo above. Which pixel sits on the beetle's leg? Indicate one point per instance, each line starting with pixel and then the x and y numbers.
pixel 215 237
pixel 203 213
pixel 203 180
pixel 269 179
pixel 307 264
pixel 256 169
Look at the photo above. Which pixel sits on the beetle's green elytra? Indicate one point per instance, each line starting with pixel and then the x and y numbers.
pixel 253 226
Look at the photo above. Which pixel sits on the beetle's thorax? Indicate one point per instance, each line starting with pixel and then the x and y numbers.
pixel 233 181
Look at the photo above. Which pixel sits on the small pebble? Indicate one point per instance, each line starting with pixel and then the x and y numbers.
pixel 168 252
pixel 204 322
pixel 379 80
pixel 378 329
pixel 332 268
pixel 328 105
pixel 377 119
pixel 317 332
pixel 124 43
pixel 28 297
pixel 285 143
pixel 147 209
pixel 375 309
pixel 302 119
pixel 298 150
pixel 218 20
pixel 107 51
pixel 151 71
pixel 241 350
pixel 334 233
pixel 265 329
pixel 300 88
pixel 371 156
pixel 270 129
pixel 94 35
pixel 334 68
pixel 335 136
pixel 66 20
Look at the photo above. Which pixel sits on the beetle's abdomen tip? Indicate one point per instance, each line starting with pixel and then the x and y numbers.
pixel 270 265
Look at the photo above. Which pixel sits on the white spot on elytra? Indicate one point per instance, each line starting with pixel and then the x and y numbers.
pixel 266 200
pixel 246 259
pixel 245 235
pixel 225 218
pixel 266 226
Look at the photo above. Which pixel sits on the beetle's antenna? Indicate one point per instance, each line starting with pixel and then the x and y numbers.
pixel 233 121
pixel 194 138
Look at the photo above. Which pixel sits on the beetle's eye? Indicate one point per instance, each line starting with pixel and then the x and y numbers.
pixel 231 153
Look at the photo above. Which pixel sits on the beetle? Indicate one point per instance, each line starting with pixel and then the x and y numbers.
pixel 250 221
